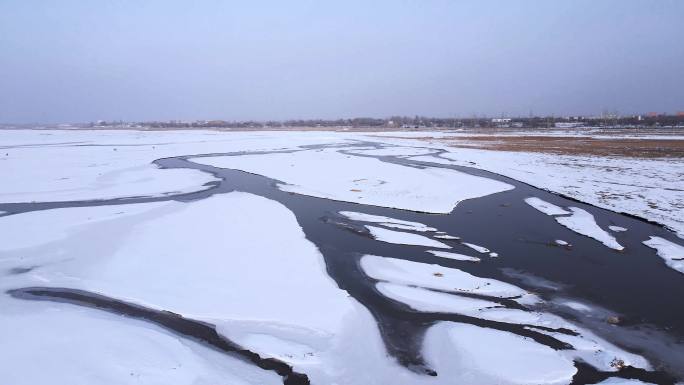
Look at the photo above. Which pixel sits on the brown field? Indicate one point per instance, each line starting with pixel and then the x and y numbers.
pixel 572 145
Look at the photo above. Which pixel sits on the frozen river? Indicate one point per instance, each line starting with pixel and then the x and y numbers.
pixel 572 286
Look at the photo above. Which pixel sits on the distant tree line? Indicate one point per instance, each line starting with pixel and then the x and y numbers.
pixel 415 122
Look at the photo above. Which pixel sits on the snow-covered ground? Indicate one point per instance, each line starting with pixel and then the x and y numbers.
pixel 236 283
pixel 648 188
pixel 584 132
pixel 52 166
pixel 327 173
pixel 242 263
pixel 62 344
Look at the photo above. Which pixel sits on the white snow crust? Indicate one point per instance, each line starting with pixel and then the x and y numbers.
pixel 62 344
pixel 395 151
pixel 403 238
pixel 670 252
pixel 578 220
pixel 410 282
pixel 387 221
pixel 447 279
pixel 63 165
pixel 432 301
pixel 622 381
pixel 582 222
pixel 648 188
pixel 330 174
pixel 455 256
pixel 464 354
pixel 545 207
pixel 176 256
pixel 478 248
pixel 446 236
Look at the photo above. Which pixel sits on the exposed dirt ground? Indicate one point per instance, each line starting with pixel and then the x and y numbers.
pixel 627 147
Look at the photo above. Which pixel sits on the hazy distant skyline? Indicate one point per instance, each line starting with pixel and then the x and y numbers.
pixel 77 61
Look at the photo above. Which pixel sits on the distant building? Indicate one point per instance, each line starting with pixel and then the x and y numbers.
pixel 501 120
pixel 568 124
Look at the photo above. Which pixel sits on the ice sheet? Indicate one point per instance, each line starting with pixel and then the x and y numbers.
pixel 50 165
pixel 446 236
pixel 201 273
pixel 387 221
pixel 648 188
pixel 670 252
pixel 435 277
pixel 622 381
pixel 463 353
pixel 545 207
pixel 395 151
pixel 582 222
pixel 478 248
pixel 329 174
pixel 403 238
pixel 431 301
pixel 63 344
pixel 455 256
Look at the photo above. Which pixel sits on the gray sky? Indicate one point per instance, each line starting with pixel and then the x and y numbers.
pixel 68 61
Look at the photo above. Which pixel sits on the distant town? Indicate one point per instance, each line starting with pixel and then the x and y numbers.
pixel 608 120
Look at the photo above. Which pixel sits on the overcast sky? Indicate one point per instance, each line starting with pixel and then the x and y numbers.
pixel 73 61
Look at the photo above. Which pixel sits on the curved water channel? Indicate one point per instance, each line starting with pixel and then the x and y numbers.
pixel 633 284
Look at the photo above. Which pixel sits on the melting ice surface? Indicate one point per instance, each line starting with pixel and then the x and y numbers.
pixel 433 301
pixel 116 249
pixel 582 222
pixel 403 238
pixel 436 277
pixel 478 248
pixel 461 352
pixel 330 174
pixel 396 151
pixel 577 220
pixel 415 284
pixel 446 236
pixel 622 381
pixel 454 256
pixel 545 207
pixel 387 222
pixel 69 345
pixel 672 253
